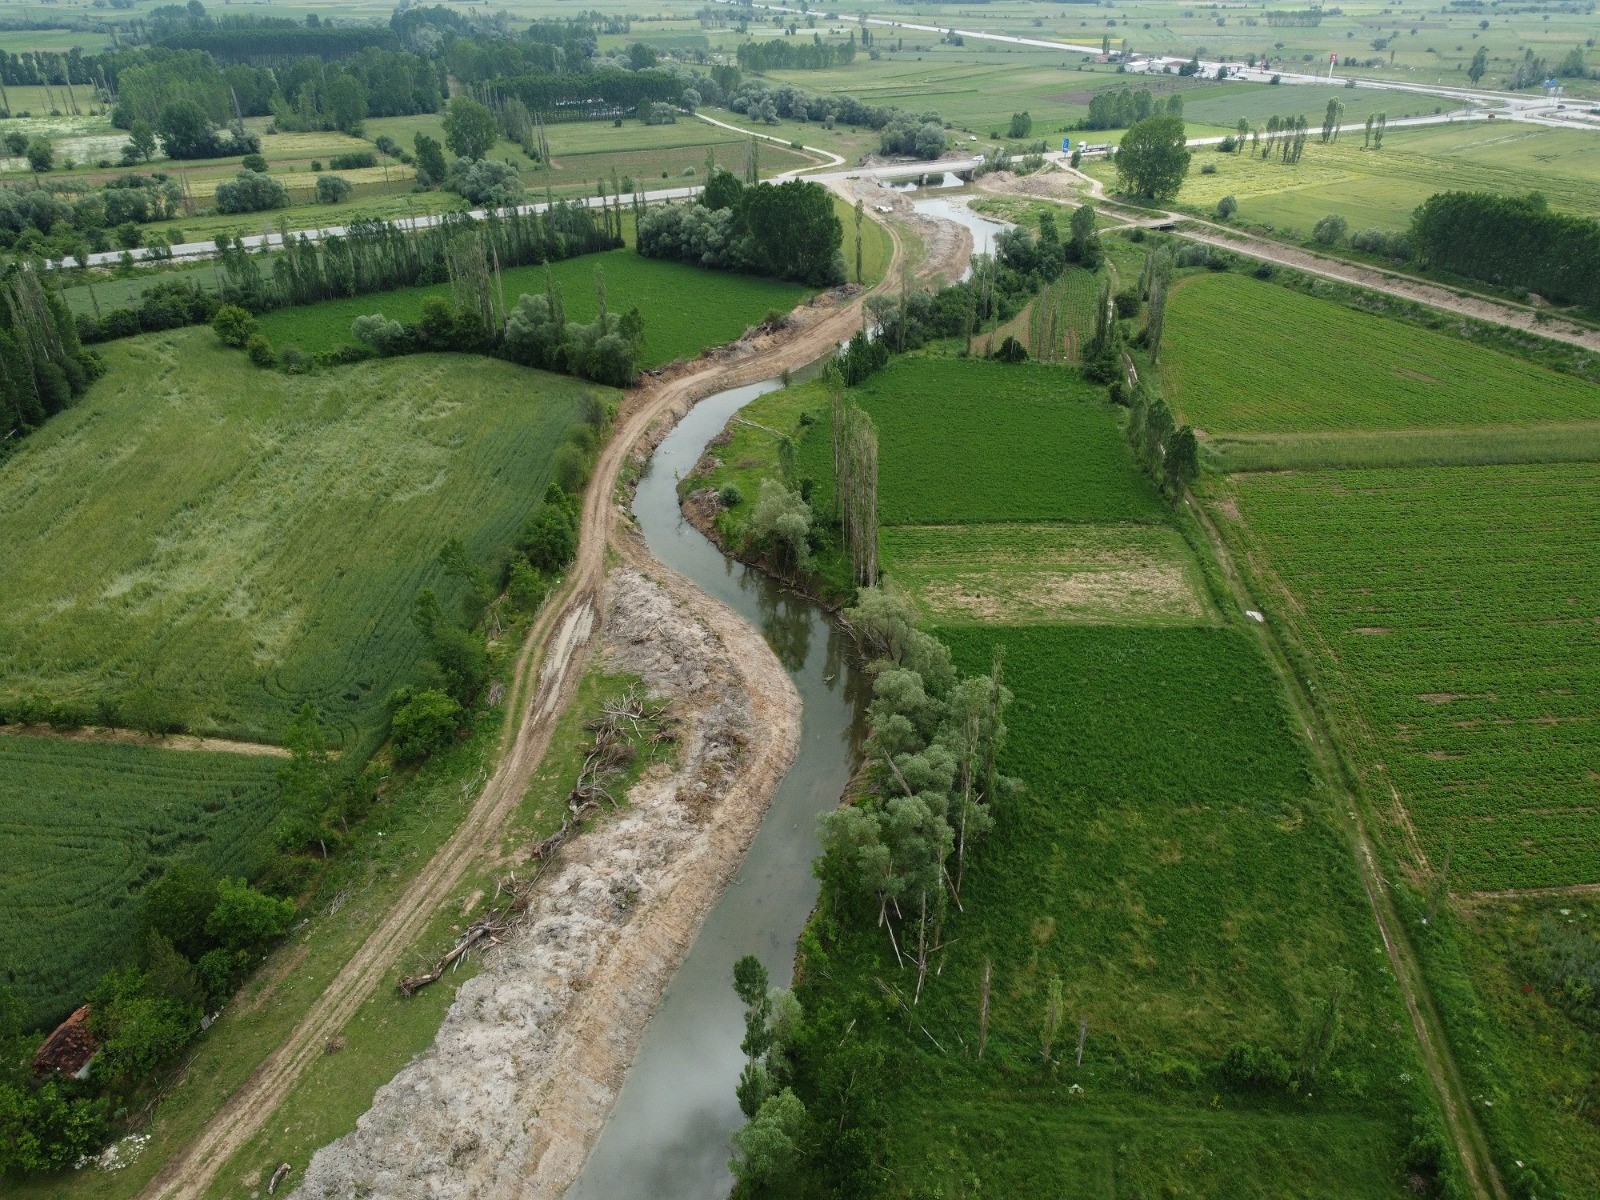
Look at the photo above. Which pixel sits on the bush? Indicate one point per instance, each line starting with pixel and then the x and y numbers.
pixel 1330 231
pixel 423 724
pixel 1226 207
pixel 354 161
pixel 1011 351
pixel 245 921
pixel 383 334
pixel 42 1130
pixel 1208 168
pixel 485 181
pixel 250 192
pixel 233 325
pixel 254 162
pixel 1127 303
pixel 730 496
pixel 333 189
pixel 1256 1068
pixel 260 351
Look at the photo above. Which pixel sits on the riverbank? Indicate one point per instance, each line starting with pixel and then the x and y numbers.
pixel 530 1059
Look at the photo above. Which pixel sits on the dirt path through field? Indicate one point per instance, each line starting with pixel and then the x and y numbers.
pixel 1480 308
pixel 1466 1132
pixel 131 737
pixel 548 669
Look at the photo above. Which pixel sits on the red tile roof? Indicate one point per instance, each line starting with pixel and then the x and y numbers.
pixel 69 1049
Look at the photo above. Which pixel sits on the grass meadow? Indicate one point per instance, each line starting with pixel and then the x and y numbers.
pixel 84 826
pixel 1450 613
pixel 1525 1046
pixel 1171 864
pixel 1380 188
pixel 228 543
pixel 1247 357
pixel 685 309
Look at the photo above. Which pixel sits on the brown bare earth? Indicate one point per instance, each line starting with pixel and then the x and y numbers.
pixel 130 737
pixel 519 1082
pixel 547 672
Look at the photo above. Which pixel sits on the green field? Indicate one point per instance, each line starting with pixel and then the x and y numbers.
pixel 1529 1045
pixel 1450 614
pixel 964 441
pixel 685 309
pixel 1380 188
pixel 1043 572
pixel 1242 356
pixel 1168 864
pixel 225 543
pixel 83 827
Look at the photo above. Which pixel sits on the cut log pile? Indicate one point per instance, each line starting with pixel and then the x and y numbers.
pixel 626 724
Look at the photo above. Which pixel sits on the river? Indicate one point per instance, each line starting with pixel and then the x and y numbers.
pixel 667 1138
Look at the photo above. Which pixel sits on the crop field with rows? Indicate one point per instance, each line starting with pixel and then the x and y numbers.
pixel 1172 865
pixel 84 826
pixel 1452 616
pixel 685 309
pixel 967 441
pixel 1243 356
pixel 226 543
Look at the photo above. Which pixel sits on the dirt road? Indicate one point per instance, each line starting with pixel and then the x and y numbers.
pixel 547 672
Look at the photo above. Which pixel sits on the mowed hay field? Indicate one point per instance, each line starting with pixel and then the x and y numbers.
pixel 1454 622
pixel 1241 356
pixel 84 826
pixel 225 544
pixel 685 309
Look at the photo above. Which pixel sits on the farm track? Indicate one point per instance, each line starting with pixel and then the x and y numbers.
pixel 1476 307
pixel 131 737
pixel 548 670
pixel 1483 1177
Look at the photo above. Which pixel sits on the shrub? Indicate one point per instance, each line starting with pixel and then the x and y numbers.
pixel 1330 231
pixel 485 181
pixel 730 496
pixel 1011 351
pixel 254 162
pixel 233 325
pixel 1127 303
pixel 1226 207
pixel 260 351
pixel 1208 168
pixel 1256 1068
pixel 356 160
pixel 249 192
pixel 244 920
pixel 423 724
pixel 383 334
pixel 332 189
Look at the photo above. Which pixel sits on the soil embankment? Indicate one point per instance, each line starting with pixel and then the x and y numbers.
pixel 528 1063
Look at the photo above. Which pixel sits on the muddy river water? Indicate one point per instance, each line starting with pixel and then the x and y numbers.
pixel 668 1136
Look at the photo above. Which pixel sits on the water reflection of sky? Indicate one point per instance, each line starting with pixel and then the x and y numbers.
pixel 668 1137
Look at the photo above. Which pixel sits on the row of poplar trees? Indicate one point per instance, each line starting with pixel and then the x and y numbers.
pixel 42 366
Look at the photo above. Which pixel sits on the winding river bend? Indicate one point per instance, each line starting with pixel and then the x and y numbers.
pixel 667 1138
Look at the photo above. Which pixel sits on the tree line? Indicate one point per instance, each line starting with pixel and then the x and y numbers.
pixel 371 256
pixel 782 54
pixel 1125 106
pixel 894 859
pixel 1511 241
pixel 42 365
pixel 784 231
